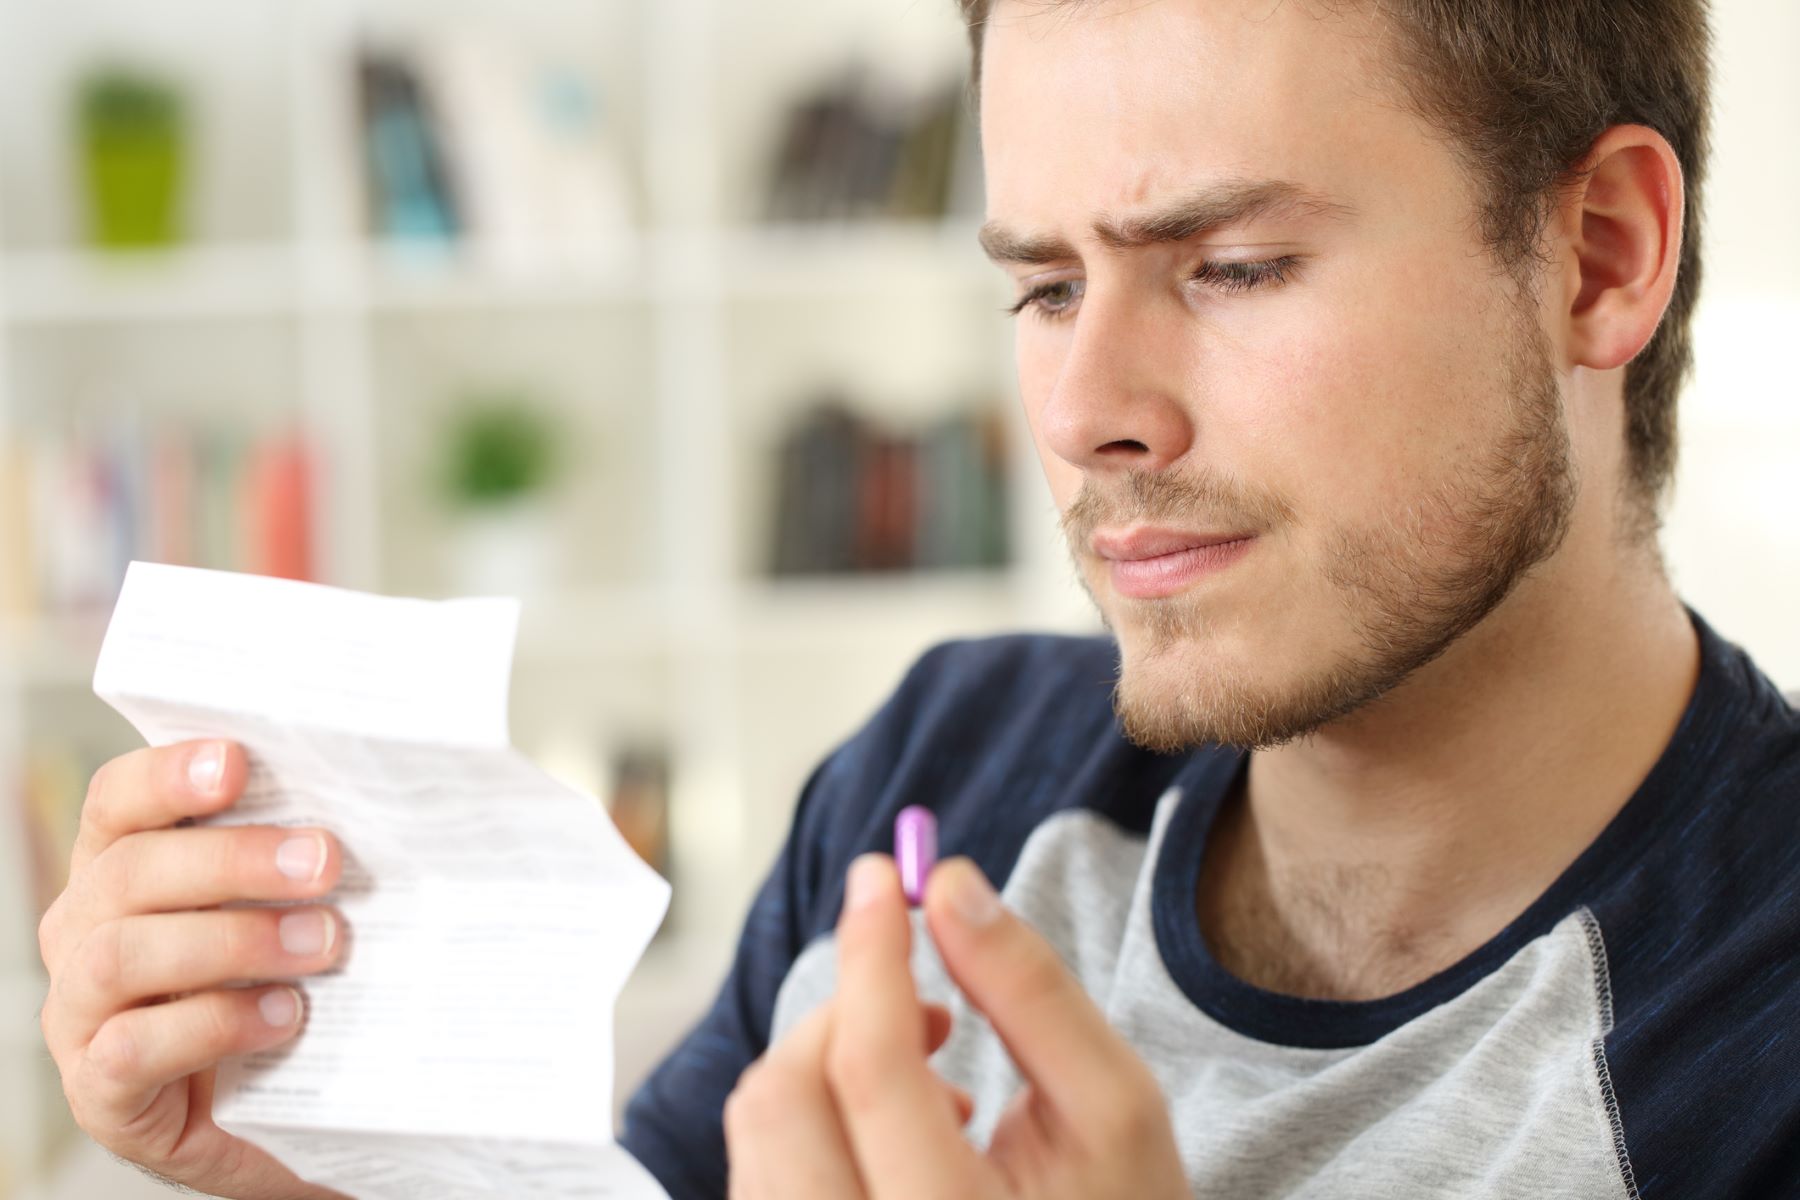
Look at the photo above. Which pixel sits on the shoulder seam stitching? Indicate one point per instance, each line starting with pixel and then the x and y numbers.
pixel 1603 995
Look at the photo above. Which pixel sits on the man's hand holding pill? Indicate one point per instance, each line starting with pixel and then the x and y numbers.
pixel 848 1107
pixel 138 951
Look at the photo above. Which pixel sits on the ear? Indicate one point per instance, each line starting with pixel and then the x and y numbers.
pixel 1622 221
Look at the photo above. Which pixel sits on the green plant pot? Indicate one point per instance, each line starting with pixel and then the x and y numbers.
pixel 134 161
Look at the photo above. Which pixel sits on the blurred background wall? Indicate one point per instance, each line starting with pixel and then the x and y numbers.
pixel 667 317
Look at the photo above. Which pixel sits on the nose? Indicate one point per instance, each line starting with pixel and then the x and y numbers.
pixel 1115 403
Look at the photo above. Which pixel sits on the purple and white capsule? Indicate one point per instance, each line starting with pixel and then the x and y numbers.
pixel 915 849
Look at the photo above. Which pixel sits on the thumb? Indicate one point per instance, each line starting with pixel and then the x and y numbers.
pixel 1057 1037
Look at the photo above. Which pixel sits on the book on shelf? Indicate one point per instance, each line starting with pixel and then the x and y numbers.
pixel 887 502
pixel 277 488
pixel 408 174
pixel 852 495
pixel 75 508
pixel 466 142
pixel 631 773
pixel 847 151
pixel 638 801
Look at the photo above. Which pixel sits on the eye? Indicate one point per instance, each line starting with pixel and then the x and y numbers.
pixel 1246 276
pixel 1054 301
pixel 1050 300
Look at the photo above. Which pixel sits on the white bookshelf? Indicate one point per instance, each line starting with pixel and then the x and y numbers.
pixel 675 350
pixel 681 345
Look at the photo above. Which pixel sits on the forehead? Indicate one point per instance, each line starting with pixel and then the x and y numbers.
pixel 1108 105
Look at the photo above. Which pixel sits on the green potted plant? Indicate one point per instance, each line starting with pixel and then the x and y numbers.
pixel 499 463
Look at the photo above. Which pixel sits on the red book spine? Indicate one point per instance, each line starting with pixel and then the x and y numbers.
pixel 280 510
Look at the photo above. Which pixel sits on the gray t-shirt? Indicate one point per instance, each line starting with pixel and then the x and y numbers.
pixel 1633 1033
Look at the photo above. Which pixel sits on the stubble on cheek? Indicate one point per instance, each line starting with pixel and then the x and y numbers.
pixel 1363 609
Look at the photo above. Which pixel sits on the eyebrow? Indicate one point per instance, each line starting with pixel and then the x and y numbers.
pixel 1209 208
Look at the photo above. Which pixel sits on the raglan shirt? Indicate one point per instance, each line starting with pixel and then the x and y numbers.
pixel 1634 1033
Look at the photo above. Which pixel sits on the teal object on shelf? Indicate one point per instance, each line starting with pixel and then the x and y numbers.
pixel 133 151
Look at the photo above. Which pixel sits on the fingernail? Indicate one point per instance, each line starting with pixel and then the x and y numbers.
pixel 306 932
pixel 864 884
pixel 972 897
pixel 280 1007
pixel 301 857
pixel 206 768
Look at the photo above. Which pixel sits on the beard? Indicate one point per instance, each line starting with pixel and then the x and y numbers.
pixel 1407 589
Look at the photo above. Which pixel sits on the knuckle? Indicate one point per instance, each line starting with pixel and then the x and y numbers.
pixel 238 938
pixel 99 787
pixel 235 856
pixel 856 1074
pixel 186 1159
pixel 99 791
pixel 102 958
pixel 1037 971
pixel 765 1091
pixel 775 1088
pixel 742 1106
pixel 113 875
pixel 114 1055
pixel 216 1023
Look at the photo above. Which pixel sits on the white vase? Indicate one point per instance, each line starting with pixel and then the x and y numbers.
pixel 506 549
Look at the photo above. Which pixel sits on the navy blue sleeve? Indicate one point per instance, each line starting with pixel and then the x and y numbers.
pixel 1704 1055
pixel 674 1123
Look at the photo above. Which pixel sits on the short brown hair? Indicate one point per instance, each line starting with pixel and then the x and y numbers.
pixel 1523 88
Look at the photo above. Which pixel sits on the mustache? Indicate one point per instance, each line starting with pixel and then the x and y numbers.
pixel 1204 499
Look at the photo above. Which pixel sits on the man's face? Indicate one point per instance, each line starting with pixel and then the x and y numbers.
pixel 1262 308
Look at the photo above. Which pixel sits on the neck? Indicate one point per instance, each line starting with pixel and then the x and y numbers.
pixel 1388 845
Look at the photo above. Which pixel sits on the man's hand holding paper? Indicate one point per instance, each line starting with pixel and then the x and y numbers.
pixel 138 951
pixel 457 1034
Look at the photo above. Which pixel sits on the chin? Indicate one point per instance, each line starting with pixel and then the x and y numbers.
pixel 1186 679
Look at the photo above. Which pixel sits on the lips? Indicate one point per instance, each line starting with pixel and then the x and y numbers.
pixel 1147 564
pixel 1138 544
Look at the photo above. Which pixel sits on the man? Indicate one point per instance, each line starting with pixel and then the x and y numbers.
pixel 1408 837
pixel 1454 857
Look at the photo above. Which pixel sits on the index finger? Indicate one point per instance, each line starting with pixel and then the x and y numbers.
pixel 907 1141
pixel 154 788
pixel 1054 1032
